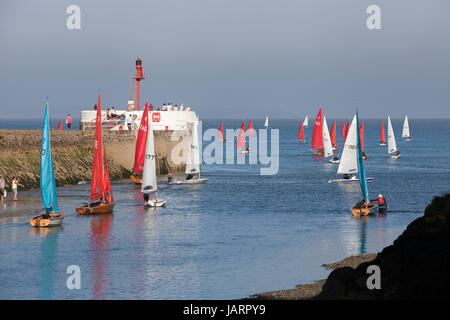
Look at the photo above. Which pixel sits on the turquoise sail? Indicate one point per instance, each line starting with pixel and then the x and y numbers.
pixel 47 175
pixel 360 161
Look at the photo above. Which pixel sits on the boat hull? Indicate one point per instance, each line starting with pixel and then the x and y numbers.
pixel 369 179
pixel 319 153
pixel 135 179
pixel 395 156
pixel 155 203
pixel 47 220
pixel 101 208
pixel 370 208
pixel 191 181
pixel 335 161
pixel 383 143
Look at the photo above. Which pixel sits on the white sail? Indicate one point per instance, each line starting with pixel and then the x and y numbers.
pixel 348 164
pixel 327 147
pixel 392 146
pixel 405 133
pixel 193 158
pixel 305 122
pixel 266 124
pixel 149 175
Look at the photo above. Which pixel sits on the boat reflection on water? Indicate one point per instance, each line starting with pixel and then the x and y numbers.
pixel 363 235
pixel 100 236
pixel 48 259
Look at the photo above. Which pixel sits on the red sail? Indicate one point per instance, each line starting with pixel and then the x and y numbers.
pixel 317 137
pixel 250 130
pixel 346 130
pixel 220 131
pixel 343 129
pixel 141 142
pixel 361 135
pixel 60 125
pixel 97 167
pixel 333 134
pixel 106 183
pixel 241 137
pixel 382 138
pixel 301 134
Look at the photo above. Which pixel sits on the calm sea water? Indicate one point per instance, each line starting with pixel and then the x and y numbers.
pixel 239 234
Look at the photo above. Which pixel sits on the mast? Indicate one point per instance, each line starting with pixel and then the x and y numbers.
pixel 361 170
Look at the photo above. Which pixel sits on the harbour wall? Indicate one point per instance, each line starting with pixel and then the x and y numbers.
pixel 73 151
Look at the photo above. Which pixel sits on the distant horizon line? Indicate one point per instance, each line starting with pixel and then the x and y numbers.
pixel 272 118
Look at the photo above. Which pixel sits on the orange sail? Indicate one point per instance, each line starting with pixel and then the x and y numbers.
pixel 301 134
pixel 333 135
pixel 382 138
pixel 106 183
pixel 220 131
pixel 97 187
pixel 317 137
pixel 250 130
pixel 141 142
pixel 241 137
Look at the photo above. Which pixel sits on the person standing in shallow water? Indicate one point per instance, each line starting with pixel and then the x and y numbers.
pixel 14 184
pixel 69 121
pixel 2 188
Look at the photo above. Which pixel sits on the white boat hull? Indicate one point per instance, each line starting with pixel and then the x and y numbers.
pixel 335 161
pixel 353 179
pixel 395 156
pixel 191 181
pixel 155 203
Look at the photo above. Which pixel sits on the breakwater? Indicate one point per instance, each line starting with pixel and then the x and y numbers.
pixel 72 155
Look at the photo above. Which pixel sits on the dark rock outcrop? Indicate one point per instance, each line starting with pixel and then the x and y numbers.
pixel 416 266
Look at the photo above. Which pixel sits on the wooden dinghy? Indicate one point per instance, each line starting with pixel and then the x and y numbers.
pixel 52 217
pixel 95 208
pixel 47 220
pixel 368 209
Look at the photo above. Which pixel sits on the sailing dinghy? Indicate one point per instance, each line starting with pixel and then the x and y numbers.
pixel 382 138
pixel 193 161
pixel 317 137
pixel 333 136
pixel 266 123
pixel 348 166
pixel 392 145
pixel 149 182
pixel 220 132
pixel 250 130
pixel 139 152
pixel 405 132
pixel 365 207
pixel 327 147
pixel 52 217
pixel 305 122
pixel 240 143
pixel 301 134
pixel 100 199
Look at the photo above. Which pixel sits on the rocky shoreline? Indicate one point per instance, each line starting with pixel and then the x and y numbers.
pixel 415 266
pixel 309 291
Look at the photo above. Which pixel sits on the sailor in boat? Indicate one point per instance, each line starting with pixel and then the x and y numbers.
pixel 169 177
pixel 335 159
pixel 396 153
pixel 146 197
pixel 347 176
pixel 361 204
pixel 364 155
pixel 382 204
pixel 189 177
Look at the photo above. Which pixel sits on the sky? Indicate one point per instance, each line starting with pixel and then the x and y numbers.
pixel 228 58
